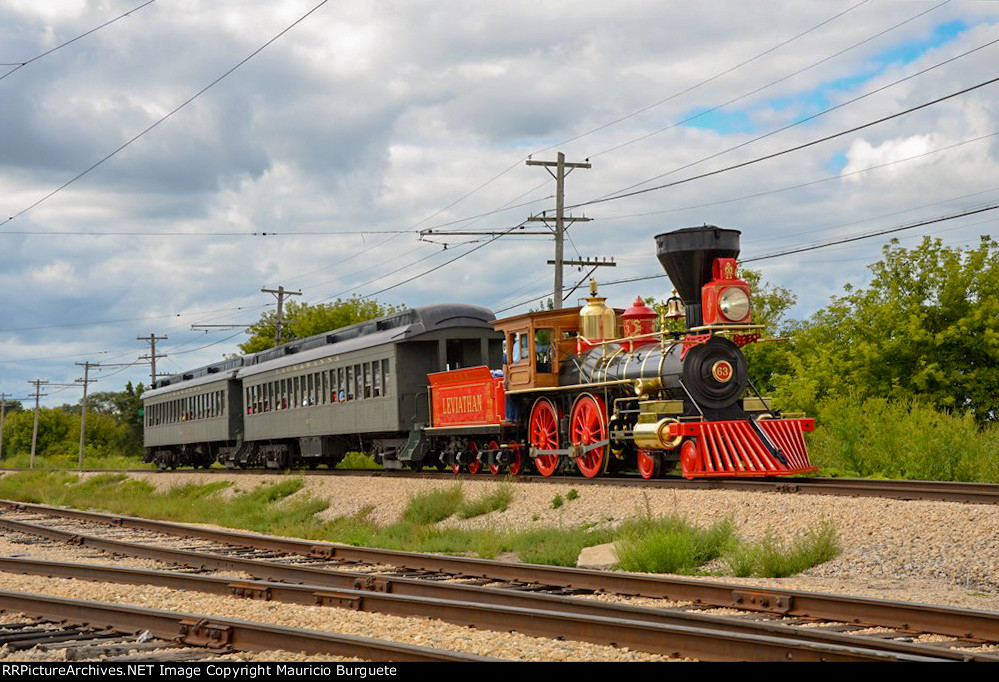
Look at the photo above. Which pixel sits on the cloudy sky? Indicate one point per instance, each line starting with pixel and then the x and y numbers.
pixel 148 185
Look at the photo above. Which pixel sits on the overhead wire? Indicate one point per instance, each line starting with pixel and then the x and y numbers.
pixel 790 150
pixel 755 91
pixel 579 205
pixel 804 248
pixel 20 65
pixel 163 118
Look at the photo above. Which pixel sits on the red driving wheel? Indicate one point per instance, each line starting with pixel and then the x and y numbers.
pixel 544 435
pixel 588 425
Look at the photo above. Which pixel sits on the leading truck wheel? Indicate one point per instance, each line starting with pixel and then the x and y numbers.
pixel 544 435
pixel 689 459
pixel 588 425
pixel 650 464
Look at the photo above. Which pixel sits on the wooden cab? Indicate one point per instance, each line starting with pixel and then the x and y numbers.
pixel 535 344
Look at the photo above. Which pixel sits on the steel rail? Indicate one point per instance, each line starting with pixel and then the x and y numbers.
pixel 222 633
pixel 705 637
pixel 965 623
pixel 941 491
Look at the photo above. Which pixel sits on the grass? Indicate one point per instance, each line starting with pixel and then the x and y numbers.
pixel 69 461
pixel 774 557
pixel 671 544
pixel 434 506
pixel 646 544
pixel 497 500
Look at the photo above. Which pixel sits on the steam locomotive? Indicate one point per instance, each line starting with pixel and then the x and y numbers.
pixel 592 389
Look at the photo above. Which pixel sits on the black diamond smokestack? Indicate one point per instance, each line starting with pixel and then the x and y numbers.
pixel 687 255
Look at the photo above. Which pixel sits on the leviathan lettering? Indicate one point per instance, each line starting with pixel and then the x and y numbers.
pixel 461 404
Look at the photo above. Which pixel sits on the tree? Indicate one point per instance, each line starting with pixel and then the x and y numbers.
pixel 770 307
pixel 303 320
pixel 11 406
pixel 927 327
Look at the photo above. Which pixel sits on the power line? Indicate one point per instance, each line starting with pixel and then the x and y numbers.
pixel 796 148
pixel 788 188
pixel 770 84
pixel 802 249
pixel 20 65
pixel 165 117
pixel 631 115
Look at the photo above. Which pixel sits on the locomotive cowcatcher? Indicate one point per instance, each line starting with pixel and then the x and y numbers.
pixel 602 390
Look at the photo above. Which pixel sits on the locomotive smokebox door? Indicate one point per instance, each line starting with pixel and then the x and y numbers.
pixel 687 255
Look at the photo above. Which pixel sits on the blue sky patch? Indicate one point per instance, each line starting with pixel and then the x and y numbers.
pixel 808 103
pixel 725 122
pixel 914 49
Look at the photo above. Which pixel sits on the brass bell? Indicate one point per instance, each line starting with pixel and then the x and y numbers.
pixel 674 307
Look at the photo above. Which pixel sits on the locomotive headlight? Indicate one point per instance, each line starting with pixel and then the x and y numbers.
pixel 734 304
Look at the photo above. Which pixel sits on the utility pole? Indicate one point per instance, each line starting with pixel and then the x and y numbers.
pixel 591 264
pixel 83 411
pixel 34 434
pixel 152 339
pixel 280 293
pixel 560 220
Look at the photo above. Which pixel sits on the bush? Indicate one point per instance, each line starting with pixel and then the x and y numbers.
pixel 877 438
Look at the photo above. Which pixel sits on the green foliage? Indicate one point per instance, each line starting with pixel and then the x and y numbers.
pixel 111 434
pixel 773 557
pixel 265 509
pixel 572 494
pixel 434 506
pixel 11 406
pixel 498 500
pixel 770 307
pixel 907 439
pixel 557 501
pixel 358 460
pixel 926 326
pixel 58 443
pixel 302 320
pixel 282 509
pixel 670 544
pixel 556 547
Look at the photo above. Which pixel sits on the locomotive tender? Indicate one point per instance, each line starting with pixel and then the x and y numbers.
pixel 590 388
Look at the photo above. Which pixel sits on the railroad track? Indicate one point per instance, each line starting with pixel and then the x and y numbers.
pixel 946 491
pixel 773 625
pixel 86 622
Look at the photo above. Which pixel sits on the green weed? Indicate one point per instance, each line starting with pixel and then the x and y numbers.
pixel 670 544
pixel 498 500
pixel 434 506
pixel 773 557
